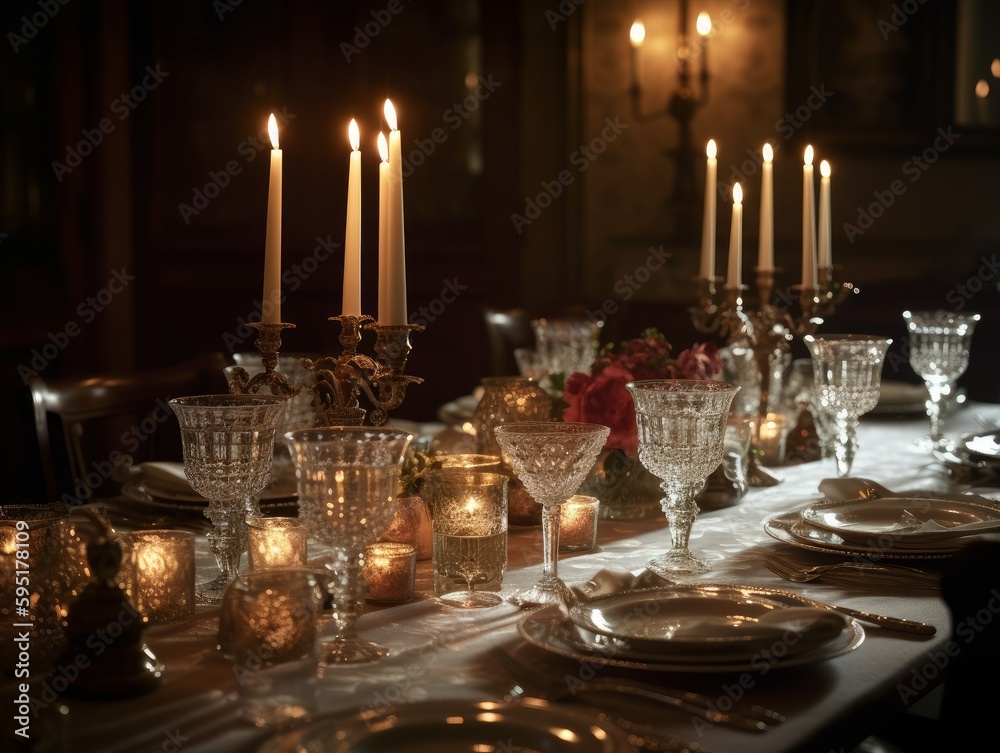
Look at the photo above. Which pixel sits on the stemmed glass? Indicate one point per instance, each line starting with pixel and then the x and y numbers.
pixel 228 443
pixel 682 430
pixel 551 459
pixel 348 478
pixel 939 353
pixel 848 372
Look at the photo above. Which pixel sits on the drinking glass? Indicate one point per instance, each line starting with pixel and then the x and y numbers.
pixel 682 429
pixel 347 480
pixel 551 460
pixel 939 353
pixel 848 372
pixel 228 443
pixel 566 345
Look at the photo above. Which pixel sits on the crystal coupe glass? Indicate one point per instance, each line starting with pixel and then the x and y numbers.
pixel 551 459
pixel 228 443
pixel 939 353
pixel 348 478
pixel 682 430
pixel 848 371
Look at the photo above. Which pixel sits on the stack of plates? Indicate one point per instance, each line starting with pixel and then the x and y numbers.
pixel 695 628
pixel 904 526
pixel 976 453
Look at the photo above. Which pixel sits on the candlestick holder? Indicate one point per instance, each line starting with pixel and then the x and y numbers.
pixel 268 342
pixel 341 379
pixel 768 331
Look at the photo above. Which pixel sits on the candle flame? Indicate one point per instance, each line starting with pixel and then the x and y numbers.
pixel 737 193
pixel 383 147
pixel 711 150
pixel 637 33
pixel 472 505
pixel 768 153
pixel 824 169
pixel 809 155
pixel 354 134
pixel 272 131
pixel 390 115
pixel 703 24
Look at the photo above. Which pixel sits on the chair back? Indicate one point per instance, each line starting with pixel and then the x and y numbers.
pixel 90 428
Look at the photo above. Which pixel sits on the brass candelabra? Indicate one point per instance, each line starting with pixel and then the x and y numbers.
pixel 268 342
pixel 340 379
pixel 768 331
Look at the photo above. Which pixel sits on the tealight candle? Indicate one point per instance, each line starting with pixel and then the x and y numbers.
pixel 158 573
pixel 771 440
pixel 578 523
pixel 276 542
pixel 390 572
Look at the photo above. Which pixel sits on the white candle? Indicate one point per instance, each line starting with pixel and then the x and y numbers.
pixel 808 223
pixel 395 246
pixel 736 240
pixel 766 251
pixel 708 224
pixel 383 226
pixel 271 313
pixel 352 234
pixel 825 235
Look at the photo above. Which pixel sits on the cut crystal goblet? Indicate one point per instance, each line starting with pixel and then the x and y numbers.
pixel 939 353
pixel 348 478
pixel 848 372
pixel 228 443
pixel 682 430
pixel 551 459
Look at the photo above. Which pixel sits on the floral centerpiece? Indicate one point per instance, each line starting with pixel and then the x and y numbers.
pixel 619 480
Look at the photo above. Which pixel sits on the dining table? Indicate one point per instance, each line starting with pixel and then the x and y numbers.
pixel 439 652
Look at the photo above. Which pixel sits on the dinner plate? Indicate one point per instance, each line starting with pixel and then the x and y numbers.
pixel 457 726
pixel 983 447
pixel 681 625
pixel 458 411
pixel 786 528
pixel 137 491
pixel 551 630
pixel 904 521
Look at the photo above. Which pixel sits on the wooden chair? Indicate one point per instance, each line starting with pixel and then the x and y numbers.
pixel 506 330
pixel 108 420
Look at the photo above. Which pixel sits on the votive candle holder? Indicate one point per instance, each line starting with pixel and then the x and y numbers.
pixel 158 573
pixel 578 523
pixel 390 570
pixel 276 542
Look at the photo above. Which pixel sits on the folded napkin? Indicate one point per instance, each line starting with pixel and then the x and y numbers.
pixel 167 477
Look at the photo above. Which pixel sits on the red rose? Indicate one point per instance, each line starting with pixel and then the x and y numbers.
pixel 700 361
pixel 604 399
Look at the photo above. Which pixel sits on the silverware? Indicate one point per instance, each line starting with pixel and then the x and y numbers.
pixel 887 622
pixel 530 682
pixel 896 574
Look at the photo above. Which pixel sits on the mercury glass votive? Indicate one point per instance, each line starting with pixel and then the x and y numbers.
pixel 390 571
pixel 158 573
pixel 578 523
pixel 276 542
pixel 771 440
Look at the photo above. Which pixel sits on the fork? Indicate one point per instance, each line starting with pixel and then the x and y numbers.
pixel 798 574
pixel 528 681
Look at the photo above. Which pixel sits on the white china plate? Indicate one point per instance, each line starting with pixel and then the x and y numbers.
pixel 681 625
pixel 457 726
pixel 902 521
pixel 137 491
pixel 551 630
pixel 170 493
pixel 982 447
pixel 458 411
pixel 789 528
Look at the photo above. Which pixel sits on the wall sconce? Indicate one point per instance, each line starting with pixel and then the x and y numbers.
pixel 681 106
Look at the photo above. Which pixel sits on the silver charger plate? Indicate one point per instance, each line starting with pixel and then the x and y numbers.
pixel 552 631
pixel 456 726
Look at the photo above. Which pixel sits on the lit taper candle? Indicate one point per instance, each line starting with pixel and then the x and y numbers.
pixel 271 305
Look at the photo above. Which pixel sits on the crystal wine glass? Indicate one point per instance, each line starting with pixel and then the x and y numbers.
pixel 228 443
pixel 848 371
pixel 939 353
pixel 348 478
pixel 682 429
pixel 551 459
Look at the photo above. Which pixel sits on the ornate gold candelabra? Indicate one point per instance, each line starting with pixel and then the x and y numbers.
pixel 268 342
pixel 768 331
pixel 341 379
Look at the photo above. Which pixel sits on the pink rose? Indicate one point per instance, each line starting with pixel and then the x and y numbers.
pixel 700 361
pixel 604 399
